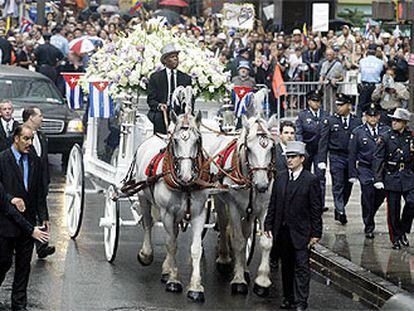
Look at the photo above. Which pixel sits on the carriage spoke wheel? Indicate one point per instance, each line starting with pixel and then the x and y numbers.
pixel 251 242
pixel 74 191
pixel 111 222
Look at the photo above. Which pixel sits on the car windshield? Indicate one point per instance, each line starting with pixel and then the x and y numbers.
pixel 34 90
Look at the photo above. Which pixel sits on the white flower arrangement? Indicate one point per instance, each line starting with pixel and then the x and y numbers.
pixel 129 62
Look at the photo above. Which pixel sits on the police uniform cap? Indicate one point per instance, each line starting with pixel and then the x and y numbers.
pixel 372 47
pixel 244 50
pixel 372 110
pixel 315 95
pixel 295 148
pixel 342 99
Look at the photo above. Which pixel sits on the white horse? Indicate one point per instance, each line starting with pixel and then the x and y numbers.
pixel 177 196
pixel 248 166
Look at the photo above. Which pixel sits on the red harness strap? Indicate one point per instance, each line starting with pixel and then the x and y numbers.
pixel 225 153
pixel 152 167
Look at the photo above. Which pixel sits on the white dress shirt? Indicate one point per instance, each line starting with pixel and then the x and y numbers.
pixel 295 173
pixel 169 73
pixel 36 144
pixel 7 126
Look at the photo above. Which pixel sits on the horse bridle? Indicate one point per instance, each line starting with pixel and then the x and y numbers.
pixel 270 169
pixel 196 161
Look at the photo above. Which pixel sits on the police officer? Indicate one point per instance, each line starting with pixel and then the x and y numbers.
pixel 362 146
pixel 393 166
pixel 335 134
pixel 371 69
pixel 308 130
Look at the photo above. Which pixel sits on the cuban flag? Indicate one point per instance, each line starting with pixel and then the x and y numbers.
pixel 74 93
pixel 100 103
pixel 25 25
pixel 241 97
pixel 367 29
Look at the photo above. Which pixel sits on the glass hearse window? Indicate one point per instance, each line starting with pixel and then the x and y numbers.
pixel 108 139
pixel 36 91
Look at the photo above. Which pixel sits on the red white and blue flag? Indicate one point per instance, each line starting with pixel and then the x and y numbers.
pixel 74 93
pixel 25 25
pixel 241 96
pixel 100 102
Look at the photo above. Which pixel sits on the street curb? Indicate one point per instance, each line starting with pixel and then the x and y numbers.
pixel 370 288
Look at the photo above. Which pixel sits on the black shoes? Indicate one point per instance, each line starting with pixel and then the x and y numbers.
pixel 47 251
pixel 325 209
pixel 404 241
pixel 396 245
pixel 287 304
pixel 341 217
pixel 369 235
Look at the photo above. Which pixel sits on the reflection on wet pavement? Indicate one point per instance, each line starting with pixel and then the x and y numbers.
pixel 377 256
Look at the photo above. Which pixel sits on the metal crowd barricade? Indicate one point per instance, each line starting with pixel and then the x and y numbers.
pixel 288 106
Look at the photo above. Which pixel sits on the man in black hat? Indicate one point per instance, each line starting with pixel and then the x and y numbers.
pixel 308 130
pixel 393 168
pixel 335 134
pixel 362 146
pixel 161 86
pixel 370 68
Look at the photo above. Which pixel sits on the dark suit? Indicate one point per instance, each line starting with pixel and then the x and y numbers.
pixel 12 239
pixel 158 94
pixel 5 142
pixel 281 164
pixel 294 217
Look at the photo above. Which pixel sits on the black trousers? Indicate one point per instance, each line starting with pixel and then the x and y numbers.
pixel 295 269
pixel 397 224
pixel 371 200
pixel 22 247
pixel 365 92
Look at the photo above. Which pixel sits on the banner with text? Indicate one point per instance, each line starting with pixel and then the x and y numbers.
pixel 239 16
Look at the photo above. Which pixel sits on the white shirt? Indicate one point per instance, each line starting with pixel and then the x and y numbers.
pixel 316 113
pixel 283 148
pixel 371 129
pixel 347 118
pixel 169 72
pixel 36 144
pixel 7 126
pixel 295 173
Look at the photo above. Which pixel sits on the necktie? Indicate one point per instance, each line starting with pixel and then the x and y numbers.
pixel 21 166
pixel 172 85
pixel 374 132
pixel 345 121
pixel 291 176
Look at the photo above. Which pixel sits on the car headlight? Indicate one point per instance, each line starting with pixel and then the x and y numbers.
pixel 75 126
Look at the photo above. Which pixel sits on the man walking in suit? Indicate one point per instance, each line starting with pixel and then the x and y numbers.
pixel 33 117
pixel 8 124
pixel 21 176
pixel 294 219
pixel 161 86
pixel 308 130
pixel 335 134
pixel 287 133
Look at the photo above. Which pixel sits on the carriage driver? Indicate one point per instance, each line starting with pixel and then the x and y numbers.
pixel 161 87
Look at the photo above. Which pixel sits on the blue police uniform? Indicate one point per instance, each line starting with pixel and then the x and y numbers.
pixel 335 135
pixel 393 165
pixel 362 146
pixel 308 130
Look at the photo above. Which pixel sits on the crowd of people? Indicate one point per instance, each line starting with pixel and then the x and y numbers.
pixel 374 64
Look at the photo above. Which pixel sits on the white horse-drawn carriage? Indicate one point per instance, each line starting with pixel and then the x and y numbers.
pixel 179 175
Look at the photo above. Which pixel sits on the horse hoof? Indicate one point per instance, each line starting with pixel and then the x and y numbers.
pixel 174 287
pixel 164 277
pixel 247 277
pixel 239 288
pixel 223 268
pixel 195 296
pixel 260 290
pixel 145 260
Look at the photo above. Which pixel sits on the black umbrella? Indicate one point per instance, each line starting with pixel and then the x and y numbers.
pixel 172 17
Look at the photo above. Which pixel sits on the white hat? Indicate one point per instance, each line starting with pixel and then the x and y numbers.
pixel 168 49
pixel 221 36
pixel 401 114
pixel 295 147
pixel 386 35
pixel 297 32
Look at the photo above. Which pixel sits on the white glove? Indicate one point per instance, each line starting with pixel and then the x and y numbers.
pixel 322 166
pixel 379 185
pixel 352 180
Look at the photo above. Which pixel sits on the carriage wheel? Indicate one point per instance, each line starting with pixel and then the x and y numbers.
pixel 111 222
pixel 251 242
pixel 74 191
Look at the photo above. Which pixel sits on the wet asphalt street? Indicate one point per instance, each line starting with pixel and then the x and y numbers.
pixel 78 277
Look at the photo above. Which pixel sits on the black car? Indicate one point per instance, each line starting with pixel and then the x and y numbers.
pixel 24 88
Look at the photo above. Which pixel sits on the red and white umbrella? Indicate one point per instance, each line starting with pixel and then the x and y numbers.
pixel 81 45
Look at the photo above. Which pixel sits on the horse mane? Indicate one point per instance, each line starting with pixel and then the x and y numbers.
pixel 182 96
